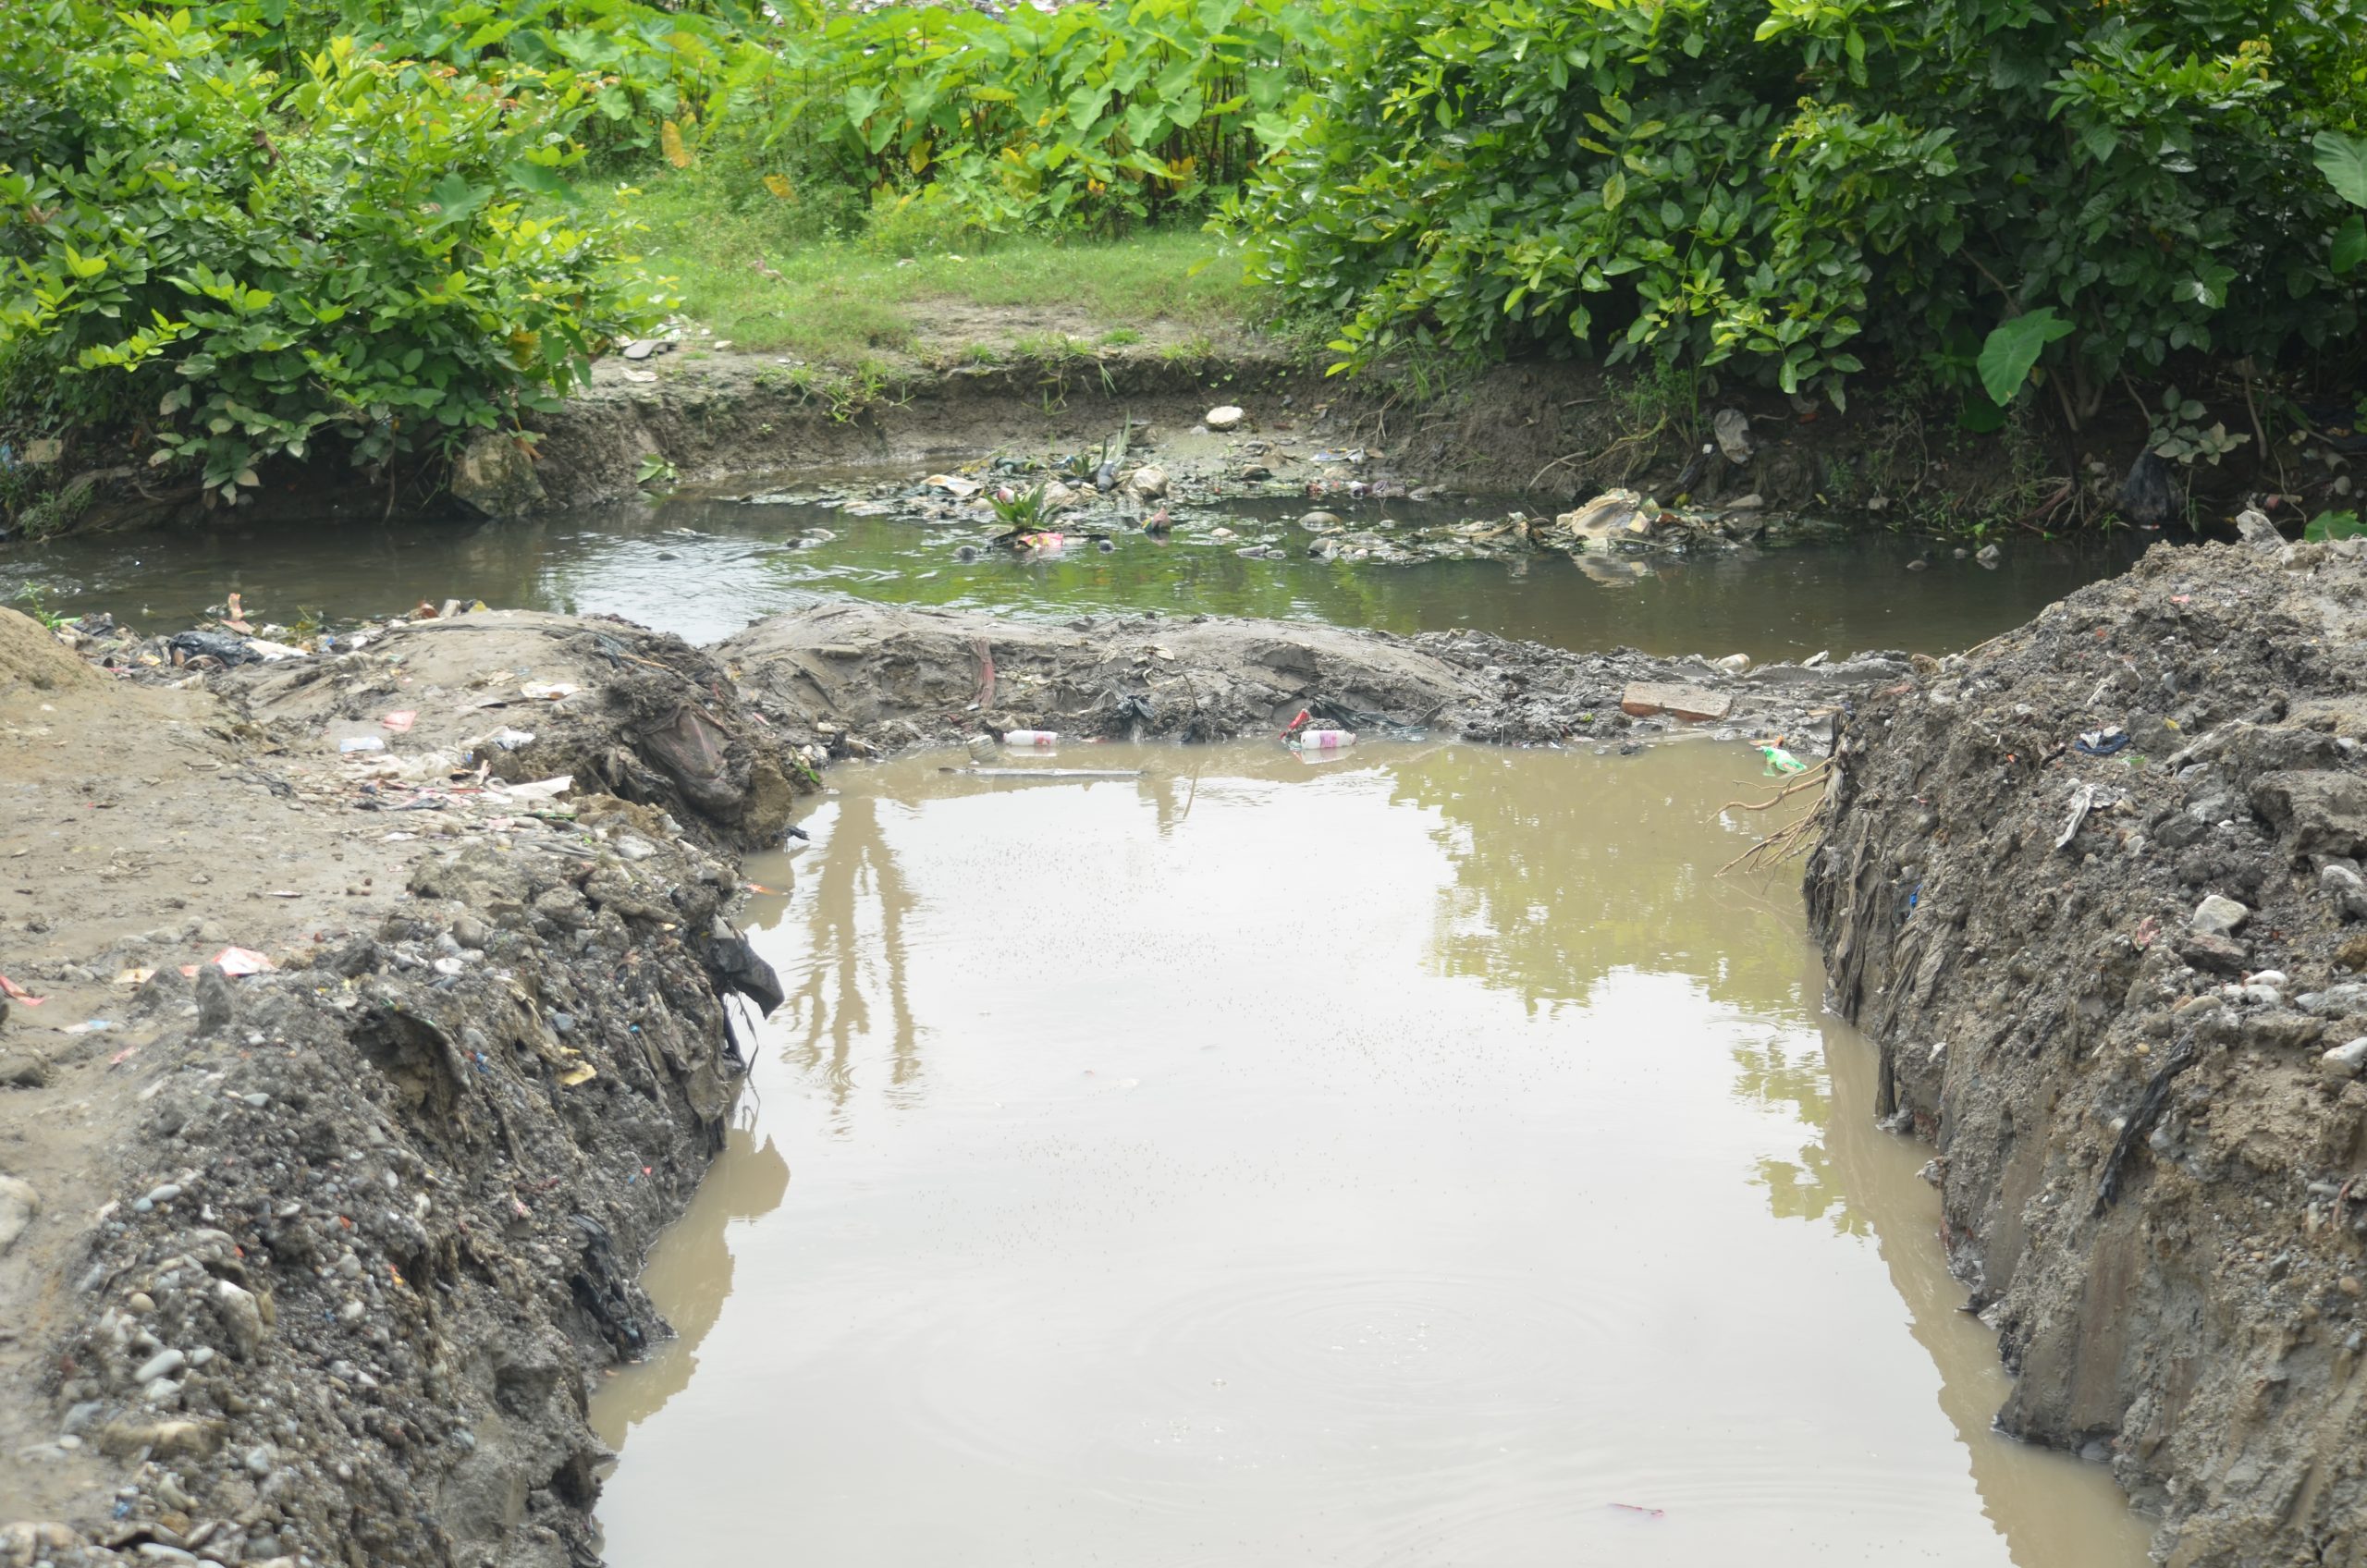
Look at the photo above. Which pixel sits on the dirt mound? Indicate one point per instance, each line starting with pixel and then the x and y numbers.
pixel 33 661
pixel 642 716
pixel 315 1261
pixel 881 676
pixel 2095 889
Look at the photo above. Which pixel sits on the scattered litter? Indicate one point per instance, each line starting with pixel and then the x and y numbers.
pixel 548 690
pixel 581 1072
pixel 17 993
pixel 541 788
pixel 1780 761
pixel 641 375
pixel 91 1026
pixel 235 963
pixel 1040 738
pixel 1322 739
pixel 1639 1508
pixel 1046 772
pixel 283 893
pixel 509 740
pixel 353 743
pixel 2102 742
pixel 400 720
pixel 2083 801
pixel 272 653
pixel 134 977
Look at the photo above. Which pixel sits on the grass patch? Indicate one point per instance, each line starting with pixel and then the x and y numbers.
pixel 743 272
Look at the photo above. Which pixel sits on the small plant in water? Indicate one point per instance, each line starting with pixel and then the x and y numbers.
pixel 1020 511
pixel 654 470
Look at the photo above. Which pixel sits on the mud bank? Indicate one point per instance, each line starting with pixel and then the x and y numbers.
pixel 871 679
pixel 312 1265
pixel 2095 888
pixel 1555 434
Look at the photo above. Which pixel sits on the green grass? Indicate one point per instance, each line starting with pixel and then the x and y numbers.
pixel 742 272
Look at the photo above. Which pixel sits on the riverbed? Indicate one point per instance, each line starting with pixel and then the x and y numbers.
pixel 1424 1157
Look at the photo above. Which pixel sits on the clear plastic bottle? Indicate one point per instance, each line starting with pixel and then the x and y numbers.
pixel 1323 740
pixel 1038 738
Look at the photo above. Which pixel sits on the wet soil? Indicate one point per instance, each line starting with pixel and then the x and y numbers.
pixel 2094 886
pixel 316 1259
pixel 1419 1157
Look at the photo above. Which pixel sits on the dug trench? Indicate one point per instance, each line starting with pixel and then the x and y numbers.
pixel 2095 888
pixel 369 1017
pixel 316 1263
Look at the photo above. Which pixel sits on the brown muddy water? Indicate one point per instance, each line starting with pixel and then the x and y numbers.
pixel 705 569
pixel 1419 1159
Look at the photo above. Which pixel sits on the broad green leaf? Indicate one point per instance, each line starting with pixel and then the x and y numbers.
pixel 2012 350
pixel 2343 160
pixel 2349 246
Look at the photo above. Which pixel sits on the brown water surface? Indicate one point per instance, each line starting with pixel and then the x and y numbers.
pixel 1419 1159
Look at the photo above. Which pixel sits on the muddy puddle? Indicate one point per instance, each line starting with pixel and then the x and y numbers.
pixel 705 569
pixel 1419 1159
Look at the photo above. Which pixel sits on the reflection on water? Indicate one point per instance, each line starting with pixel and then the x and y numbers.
pixel 705 568
pixel 1392 1162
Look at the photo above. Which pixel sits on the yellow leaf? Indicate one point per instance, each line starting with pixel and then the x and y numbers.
pixel 670 137
pixel 524 346
pixel 918 157
pixel 778 185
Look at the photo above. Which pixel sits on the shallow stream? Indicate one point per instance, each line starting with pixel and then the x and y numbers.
pixel 705 569
pixel 1423 1159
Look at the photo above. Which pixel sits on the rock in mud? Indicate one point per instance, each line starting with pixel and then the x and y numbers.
pixel 495 476
pixel 2155 1171
pixel 20 1207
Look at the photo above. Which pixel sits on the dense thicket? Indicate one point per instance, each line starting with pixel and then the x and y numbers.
pixel 1788 181
pixel 239 261
pixel 253 225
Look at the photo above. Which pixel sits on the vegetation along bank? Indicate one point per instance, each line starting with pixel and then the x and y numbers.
pixel 2087 264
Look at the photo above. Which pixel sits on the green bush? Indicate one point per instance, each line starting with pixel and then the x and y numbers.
pixel 1785 184
pixel 1094 117
pixel 241 265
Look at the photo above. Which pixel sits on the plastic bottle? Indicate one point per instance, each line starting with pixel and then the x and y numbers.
pixel 1323 740
pixel 1780 761
pixel 1041 738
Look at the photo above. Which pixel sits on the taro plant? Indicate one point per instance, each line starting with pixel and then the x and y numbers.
pixel 240 265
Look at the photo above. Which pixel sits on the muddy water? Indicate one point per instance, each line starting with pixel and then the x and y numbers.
pixel 1420 1159
pixel 705 568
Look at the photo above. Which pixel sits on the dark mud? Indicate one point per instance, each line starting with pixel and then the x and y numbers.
pixel 323 1256
pixel 2095 888
pixel 872 678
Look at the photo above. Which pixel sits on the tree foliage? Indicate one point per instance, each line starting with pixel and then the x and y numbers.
pixel 1783 183
pixel 242 263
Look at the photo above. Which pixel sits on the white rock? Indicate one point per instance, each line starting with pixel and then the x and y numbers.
pixel 1224 417
pixel 2345 1061
pixel 2219 916
pixel 164 1364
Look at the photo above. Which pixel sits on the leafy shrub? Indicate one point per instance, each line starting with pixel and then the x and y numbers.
pixel 641 66
pixel 1094 116
pixel 243 264
pixel 1783 182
